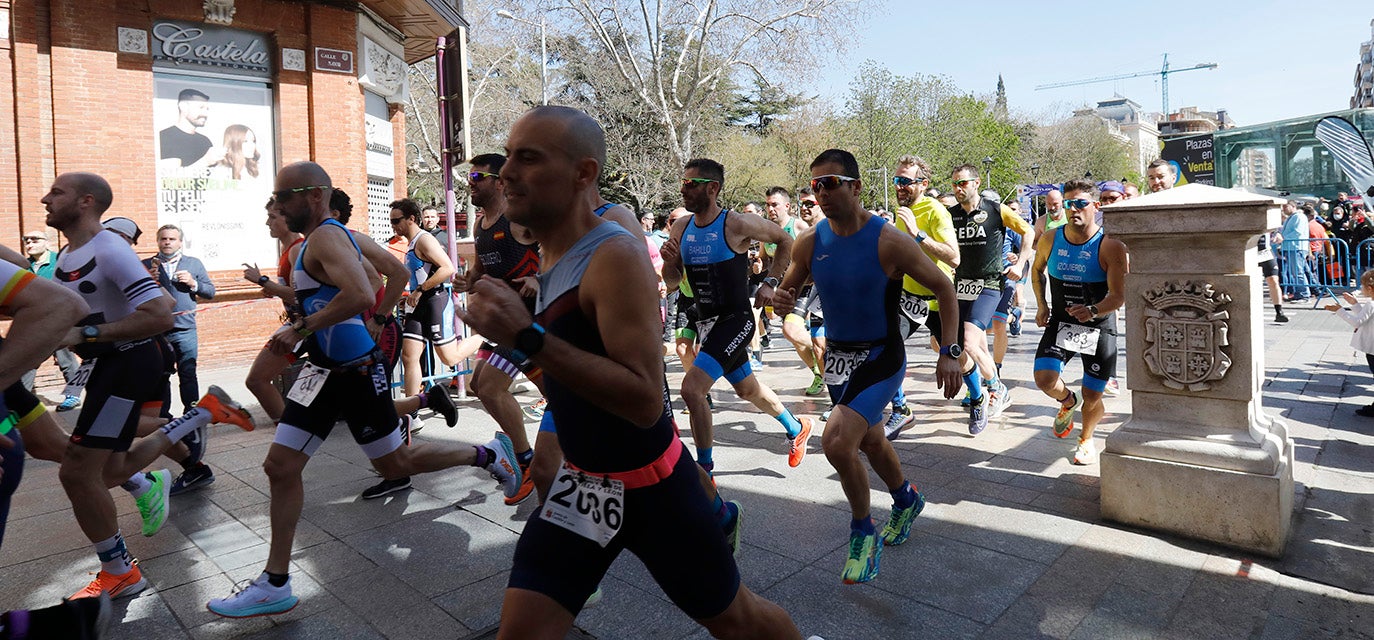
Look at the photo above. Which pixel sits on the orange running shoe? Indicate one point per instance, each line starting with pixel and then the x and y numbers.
pixel 223 409
pixel 114 586
pixel 526 488
pixel 798 449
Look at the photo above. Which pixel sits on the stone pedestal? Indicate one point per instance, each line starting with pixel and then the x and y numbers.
pixel 1198 457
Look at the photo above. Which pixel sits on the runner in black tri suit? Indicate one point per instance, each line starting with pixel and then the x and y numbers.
pixel 605 383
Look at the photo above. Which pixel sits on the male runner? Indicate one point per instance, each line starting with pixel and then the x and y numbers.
pixel 857 262
pixel 346 378
pixel 428 303
pixel 978 281
pixel 711 246
pixel 605 384
pixel 505 251
pixel 795 325
pixel 1087 272
pixel 928 223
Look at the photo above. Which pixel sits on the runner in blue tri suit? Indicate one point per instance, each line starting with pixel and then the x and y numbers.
pixel 857 261
pixel 346 378
pixel 604 376
pixel 1087 278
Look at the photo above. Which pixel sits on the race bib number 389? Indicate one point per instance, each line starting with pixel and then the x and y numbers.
pixel 591 507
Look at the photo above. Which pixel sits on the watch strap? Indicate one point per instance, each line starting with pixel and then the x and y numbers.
pixel 520 356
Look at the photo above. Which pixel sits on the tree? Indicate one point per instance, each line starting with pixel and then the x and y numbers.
pixel 1076 145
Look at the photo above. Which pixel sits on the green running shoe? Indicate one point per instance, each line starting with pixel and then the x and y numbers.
pixel 733 536
pixel 152 506
pixel 898 527
pixel 864 551
pixel 817 386
pixel 1063 421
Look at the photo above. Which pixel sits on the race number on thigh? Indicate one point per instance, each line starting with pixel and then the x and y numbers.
pixel 591 507
pixel 1077 338
pixel 968 289
pixel 915 308
pixel 308 384
pixel 840 364
pixel 78 382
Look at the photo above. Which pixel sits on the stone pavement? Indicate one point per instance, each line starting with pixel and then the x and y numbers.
pixel 1010 544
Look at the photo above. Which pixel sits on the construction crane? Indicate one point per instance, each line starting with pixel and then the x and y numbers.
pixel 1163 74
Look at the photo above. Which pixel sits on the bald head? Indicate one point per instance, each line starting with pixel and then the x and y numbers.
pixel 302 174
pixel 89 184
pixel 579 134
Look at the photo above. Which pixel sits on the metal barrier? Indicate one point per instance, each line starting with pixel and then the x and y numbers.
pixel 1320 268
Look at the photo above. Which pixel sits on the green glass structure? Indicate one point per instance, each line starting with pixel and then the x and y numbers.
pixel 1302 165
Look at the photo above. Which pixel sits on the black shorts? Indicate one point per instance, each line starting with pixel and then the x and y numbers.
pixel 360 395
pixel 937 328
pixel 1269 268
pixel 669 526
pixel 685 317
pixel 123 381
pixel 432 319
pixel 724 346
pixel 26 407
pixel 1097 368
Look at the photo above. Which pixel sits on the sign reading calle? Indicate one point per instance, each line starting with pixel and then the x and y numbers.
pixel 190 45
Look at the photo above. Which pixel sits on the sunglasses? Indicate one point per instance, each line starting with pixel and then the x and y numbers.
pixel 831 181
pixel 902 181
pixel 478 176
pixel 807 204
pixel 396 221
pixel 960 183
pixel 691 182
pixel 286 193
pixel 1077 203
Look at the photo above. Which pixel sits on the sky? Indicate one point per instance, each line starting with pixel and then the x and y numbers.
pixel 1275 60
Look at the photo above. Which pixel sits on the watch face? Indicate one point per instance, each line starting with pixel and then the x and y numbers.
pixel 955 351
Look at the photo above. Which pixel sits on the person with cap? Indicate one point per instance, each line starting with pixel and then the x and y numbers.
pixel 42 262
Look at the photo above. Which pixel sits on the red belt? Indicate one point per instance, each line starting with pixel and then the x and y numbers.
pixel 648 474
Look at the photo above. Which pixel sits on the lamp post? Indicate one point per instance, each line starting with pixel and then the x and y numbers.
pixel 543 52
pixel 987 170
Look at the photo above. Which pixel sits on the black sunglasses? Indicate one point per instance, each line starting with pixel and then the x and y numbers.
pixel 286 193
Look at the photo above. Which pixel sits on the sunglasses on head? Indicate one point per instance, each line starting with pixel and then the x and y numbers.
pixel 1077 203
pixel 692 182
pixel 831 181
pixel 478 176
pixel 286 193
pixel 903 181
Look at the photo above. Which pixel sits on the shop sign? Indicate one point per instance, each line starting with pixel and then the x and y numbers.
pixel 1192 157
pixel 190 45
pixel 336 60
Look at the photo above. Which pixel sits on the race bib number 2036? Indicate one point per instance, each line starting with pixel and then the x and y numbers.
pixel 591 507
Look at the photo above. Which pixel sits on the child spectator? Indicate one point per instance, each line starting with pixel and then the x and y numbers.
pixel 1361 316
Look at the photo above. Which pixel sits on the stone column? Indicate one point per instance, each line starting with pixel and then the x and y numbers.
pixel 1198 457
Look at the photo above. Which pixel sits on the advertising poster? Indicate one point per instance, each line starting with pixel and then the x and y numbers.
pixel 1193 158
pixel 215 166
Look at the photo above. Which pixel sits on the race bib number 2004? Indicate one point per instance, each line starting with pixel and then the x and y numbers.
pixel 78 382
pixel 591 507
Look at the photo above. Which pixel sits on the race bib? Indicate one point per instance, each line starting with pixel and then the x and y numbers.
pixel 1077 338
pixel 591 507
pixel 308 384
pixel 1265 255
pixel 968 289
pixel 915 308
pixel 839 365
pixel 78 381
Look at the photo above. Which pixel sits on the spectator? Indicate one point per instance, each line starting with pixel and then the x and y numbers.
pixel 1361 316
pixel 1294 252
pixel 185 279
pixel 43 262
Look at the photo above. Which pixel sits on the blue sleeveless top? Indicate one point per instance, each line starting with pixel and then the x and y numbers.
pixel 339 343
pixel 420 269
pixel 1076 276
pixel 719 277
pixel 857 296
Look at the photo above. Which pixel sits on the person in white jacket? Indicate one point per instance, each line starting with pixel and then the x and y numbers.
pixel 1361 316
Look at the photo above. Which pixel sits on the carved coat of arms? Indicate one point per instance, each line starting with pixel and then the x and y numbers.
pixel 1184 334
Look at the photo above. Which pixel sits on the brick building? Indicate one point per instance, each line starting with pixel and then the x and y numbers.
pixel 105 86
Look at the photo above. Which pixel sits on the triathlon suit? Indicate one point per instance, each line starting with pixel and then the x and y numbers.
pixel 432 318
pixel 918 303
pixel 864 357
pixel 505 258
pixel 1077 277
pixel 108 276
pixel 720 278
pixel 666 520
pixel 1266 257
pixel 978 279
pixel 356 386
pixel 18 401
pixel 12 280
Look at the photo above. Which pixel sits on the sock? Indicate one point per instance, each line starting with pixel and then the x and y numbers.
pixel 137 484
pixel 790 423
pixel 1278 308
pixel 863 526
pixel 484 456
pixel 899 399
pixel 14 624
pixel 993 383
pixel 723 513
pixel 974 383
pixel 904 496
pixel 999 369
pixel 704 457
pixel 188 422
pixel 277 579
pixel 525 457
pixel 424 400
pixel 114 557
pixel 1066 398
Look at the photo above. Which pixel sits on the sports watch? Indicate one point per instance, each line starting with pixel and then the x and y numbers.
pixel 1092 308
pixel 528 342
pixel 771 281
pixel 953 351
pixel 90 333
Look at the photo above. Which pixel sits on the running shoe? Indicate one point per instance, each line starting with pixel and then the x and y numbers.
pixel 416 424
pixel 526 487
pixel 191 479
pixel 153 504
pixel 503 467
pixel 1277 318
pixel 195 441
pixel 736 532
pixel 1086 453
pixel 69 403
pixel 825 417
pixel 535 410
pixel 1113 388
pixel 864 552
pixel 116 587
pixel 385 487
pixel 255 598
pixel 594 599
pixel 898 527
pixel 978 414
pixel 755 362
pixel 900 418
pixel 1014 322
pixel 223 409
pixel 405 422
pixel 1366 411
pixel 999 401
pixel 442 404
pixel 797 446
pixel 817 385
pixel 1063 421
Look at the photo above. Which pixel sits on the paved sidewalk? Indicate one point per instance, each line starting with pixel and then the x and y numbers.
pixel 1010 544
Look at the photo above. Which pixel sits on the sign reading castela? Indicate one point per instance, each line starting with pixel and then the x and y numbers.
pixel 195 46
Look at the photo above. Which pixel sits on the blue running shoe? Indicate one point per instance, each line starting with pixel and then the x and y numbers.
pixel 256 598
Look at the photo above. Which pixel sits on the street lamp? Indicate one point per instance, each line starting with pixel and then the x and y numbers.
pixel 987 170
pixel 543 51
